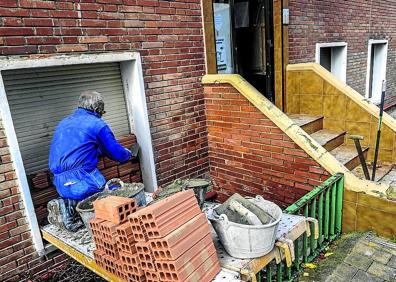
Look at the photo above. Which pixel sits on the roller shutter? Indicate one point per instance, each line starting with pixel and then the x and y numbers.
pixel 41 97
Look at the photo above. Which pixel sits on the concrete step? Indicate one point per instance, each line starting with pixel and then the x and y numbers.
pixel 310 124
pixel 381 172
pixel 386 178
pixel 329 139
pixel 348 156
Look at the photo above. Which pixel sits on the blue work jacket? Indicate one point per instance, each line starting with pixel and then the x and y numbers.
pixel 79 140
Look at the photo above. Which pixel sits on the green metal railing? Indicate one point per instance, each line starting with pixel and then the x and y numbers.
pixel 323 203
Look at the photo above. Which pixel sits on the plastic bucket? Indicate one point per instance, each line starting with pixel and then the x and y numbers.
pixel 127 190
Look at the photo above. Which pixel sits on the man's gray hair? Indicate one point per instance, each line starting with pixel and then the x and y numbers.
pixel 92 101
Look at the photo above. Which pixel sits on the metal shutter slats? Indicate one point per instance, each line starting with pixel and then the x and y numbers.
pixel 40 98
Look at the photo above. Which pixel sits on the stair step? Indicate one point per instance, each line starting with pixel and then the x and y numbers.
pixel 329 139
pixel 348 156
pixel 380 173
pixel 389 177
pixel 309 123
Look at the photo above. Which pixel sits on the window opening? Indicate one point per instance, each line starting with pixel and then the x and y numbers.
pixel 333 57
pixel 376 69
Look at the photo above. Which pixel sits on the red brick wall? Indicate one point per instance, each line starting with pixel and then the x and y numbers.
pixel 354 22
pixel 42 189
pixel 168 35
pixel 18 254
pixel 250 155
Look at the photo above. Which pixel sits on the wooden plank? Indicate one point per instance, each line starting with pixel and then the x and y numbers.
pixel 80 257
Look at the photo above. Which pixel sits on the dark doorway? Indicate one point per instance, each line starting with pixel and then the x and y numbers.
pixel 244 41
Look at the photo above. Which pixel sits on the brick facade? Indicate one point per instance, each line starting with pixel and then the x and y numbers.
pixel 18 254
pixel 353 22
pixel 168 35
pixel 250 155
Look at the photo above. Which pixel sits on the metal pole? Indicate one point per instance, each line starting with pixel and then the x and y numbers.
pixel 379 130
pixel 356 139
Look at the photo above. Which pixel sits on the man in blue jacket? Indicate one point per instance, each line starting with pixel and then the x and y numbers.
pixel 79 140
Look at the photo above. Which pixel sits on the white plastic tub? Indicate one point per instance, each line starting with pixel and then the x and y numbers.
pixel 248 241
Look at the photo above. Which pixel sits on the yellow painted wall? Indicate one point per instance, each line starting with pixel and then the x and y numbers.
pixel 364 212
pixel 313 90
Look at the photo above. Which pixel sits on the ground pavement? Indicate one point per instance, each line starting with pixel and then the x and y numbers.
pixel 356 257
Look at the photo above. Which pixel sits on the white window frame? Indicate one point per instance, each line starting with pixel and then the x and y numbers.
pixel 371 42
pixel 132 78
pixel 342 75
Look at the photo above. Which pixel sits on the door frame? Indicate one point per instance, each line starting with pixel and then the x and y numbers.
pixel 371 42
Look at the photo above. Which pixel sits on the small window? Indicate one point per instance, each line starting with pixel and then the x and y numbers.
pixel 376 69
pixel 333 57
pixel 223 36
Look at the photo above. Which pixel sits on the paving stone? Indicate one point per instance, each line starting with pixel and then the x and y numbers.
pixel 362 276
pixel 359 261
pixel 383 271
pixel 363 248
pixel 381 257
pixel 345 271
pixel 335 278
pixel 392 262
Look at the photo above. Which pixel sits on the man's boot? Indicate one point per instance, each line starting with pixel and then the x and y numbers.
pixel 54 213
pixel 62 213
pixel 72 221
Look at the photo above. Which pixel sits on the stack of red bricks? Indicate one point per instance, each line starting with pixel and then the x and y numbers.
pixel 112 233
pixel 167 241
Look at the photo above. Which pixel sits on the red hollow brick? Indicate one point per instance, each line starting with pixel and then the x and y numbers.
pixel 194 270
pixel 180 240
pixel 111 250
pixel 126 244
pixel 131 277
pixel 99 257
pixel 114 209
pixel 108 231
pixel 204 246
pixel 137 227
pixel 124 229
pixel 109 264
pixel 162 218
pixel 144 251
pixel 152 276
pixel 134 265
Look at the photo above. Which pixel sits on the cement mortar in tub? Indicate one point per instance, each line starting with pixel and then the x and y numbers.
pixel 248 241
pixel 127 190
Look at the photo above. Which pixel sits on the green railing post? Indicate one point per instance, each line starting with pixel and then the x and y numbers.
pixel 305 238
pixel 269 273
pixel 340 197
pixel 320 218
pixel 327 214
pixel 289 273
pixel 279 272
pixel 313 215
pixel 297 254
pixel 333 209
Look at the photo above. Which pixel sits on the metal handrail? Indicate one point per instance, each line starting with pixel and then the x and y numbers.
pixel 324 203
